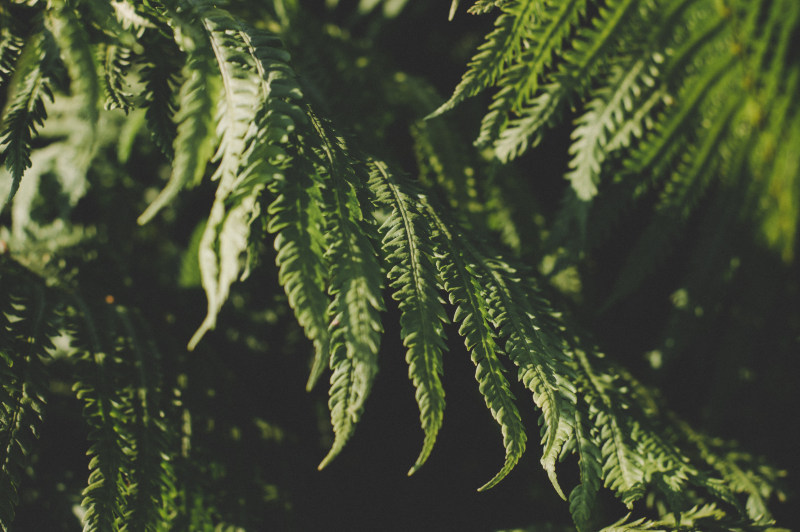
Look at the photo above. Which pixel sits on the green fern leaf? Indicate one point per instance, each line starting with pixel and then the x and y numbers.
pixel 355 286
pixel 245 165
pixel 654 152
pixel 116 61
pixel 25 110
pixel 463 285
pixel 520 82
pixel 408 252
pixel 152 478
pixel 11 45
pixel 484 6
pixel 623 467
pixel 76 52
pixel 610 108
pixel 103 411
pixel 590 49
pixel 195 140
pixel 543 367
pixel 582 498
pixel 158 75
pixel 296 219
pixel 355 329
pixel 501 45
pixel 27 322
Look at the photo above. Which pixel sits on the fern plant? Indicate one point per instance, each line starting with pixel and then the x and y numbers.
pixel 279 141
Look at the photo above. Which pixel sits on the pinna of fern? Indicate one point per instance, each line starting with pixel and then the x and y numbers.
pixel 280 164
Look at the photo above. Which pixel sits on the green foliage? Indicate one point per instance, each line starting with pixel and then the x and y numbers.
pixel 29 320
pixel 283 122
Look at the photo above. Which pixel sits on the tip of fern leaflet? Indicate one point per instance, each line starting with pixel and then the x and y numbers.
pixel 206 326
pixel 551 474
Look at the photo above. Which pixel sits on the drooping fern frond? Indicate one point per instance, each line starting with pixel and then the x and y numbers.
pixel 583 497
pixel 542 365
pixel 253 75
pixel 152 479
pixel 623 469
pixel 116 61
pixel 195 138
pixel 159 78
pixel 580 66
pixel 296 219
pixel 73 45
pixel 462 283
pixel 484 6
pixel 408 252
pixel 355 286
pixel 109 468
pixel 597 126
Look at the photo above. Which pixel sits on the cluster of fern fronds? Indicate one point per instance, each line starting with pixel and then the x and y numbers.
pixel 693 96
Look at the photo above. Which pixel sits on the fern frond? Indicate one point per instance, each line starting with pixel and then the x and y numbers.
pixel 25 110
pixel 517 311
pixel 104 412
pixel 73 43
pixel 654 153
pixel 771 157
pixel 463 284
pixel 741 472
pixel 28 315
pixel 623 467
pixel 240 96
pixel 355 286
pixel 296 220
pixel 591 48
pixel 116 61
pixel 582 498
pixel 484 6
pixel 608 112
pixel 195 140
pixel 780 224
pixel 521 80
pixel 11 45
pixel 407 253
pixel 354 331
pixel 501 45
pixel 254 76
pixel 707 517
pixel 152 478
pixel 545 370
pixel 129 17
pixel 158 76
